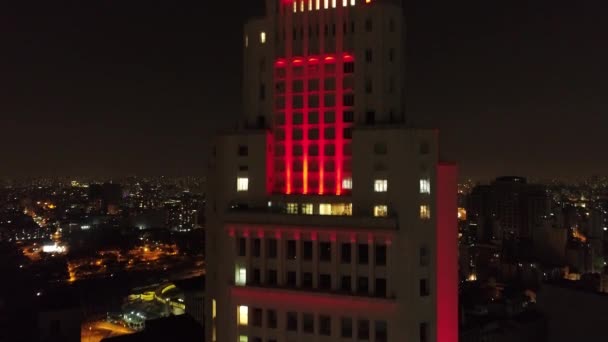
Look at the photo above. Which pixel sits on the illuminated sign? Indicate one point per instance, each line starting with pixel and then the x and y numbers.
pixel 55 248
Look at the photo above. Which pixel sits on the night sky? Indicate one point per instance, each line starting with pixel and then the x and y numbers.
pixel 107 87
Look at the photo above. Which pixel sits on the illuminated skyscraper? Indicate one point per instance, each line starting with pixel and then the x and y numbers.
pixel 328 218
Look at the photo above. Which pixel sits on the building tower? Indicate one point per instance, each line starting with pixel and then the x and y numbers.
pixel 328 218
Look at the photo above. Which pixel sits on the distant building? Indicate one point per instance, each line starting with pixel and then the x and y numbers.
pixel 106 197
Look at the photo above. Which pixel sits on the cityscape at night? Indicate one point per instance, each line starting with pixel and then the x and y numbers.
pixel 303 170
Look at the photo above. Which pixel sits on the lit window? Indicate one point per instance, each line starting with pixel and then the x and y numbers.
pixel 333 3
pixel 425 212
pixel 295 6
pixel 344 3
pixel 262 37
pixel 240 276
pixel 342 209
pixel 243 338
pixel 347 183
pixel 318 4
pixel 326 4
pixel 380 185
pixel 242 184
pixel 425 186
pixel 380 211
pixel 243 315
pixel 302 6
pixel 352 2
pixel 310 5
pixel 307 209
pixel 292 208
pixel 213 308
pixel 324 209
pixel 246 41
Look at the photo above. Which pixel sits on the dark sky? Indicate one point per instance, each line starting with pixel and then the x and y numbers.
pixel 108 87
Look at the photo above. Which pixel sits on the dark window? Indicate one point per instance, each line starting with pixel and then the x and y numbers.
pixel 349 100
pixel 380 287
pixel 424 332
pixel 352 27
pixel 313 133
pixel 370 117
pixel 330 150
pixel 329 117
pixel 381 255
pixel 313 117
pixel 325 282
pixel 313 85
pixel 348 133
pixel 272 319
pixel 368 86
pixel 291 279
pixel 292 321
pixel 424 256
pixel 333 29
pixel 325 325
pixel 330 83
pixel 256 279
pixel 349 67
pixel 345 284
pixel 242 246
pixel 291 249
pixel 257 248
pixel 362 286
pixel 380 148
pixel 329 133
pixel 368 25
pixel 326 30
pixel 349 116
pixel 262 91
pixel 346 327
pixel 391 55
pixel 257 317
pixel 256 339
pixel 381 331
pixel 363 329
pixel 330 100
pixel 425 148
pixel 243 168
pixel 55 328
pixel 308 323
pixel 307 280
pixel 272 278
pixel 345 255
pixel 363 253
pixel 298 118
pixel 325 251
pixel 369 56
pixel 243 150
pixel 424 288
pixel 272 248
pixel 313 150
pixel 391 25
pixel 307 250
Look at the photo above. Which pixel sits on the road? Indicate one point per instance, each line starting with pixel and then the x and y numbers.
pixel 98 330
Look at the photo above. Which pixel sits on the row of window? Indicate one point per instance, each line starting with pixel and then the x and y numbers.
pixel 297 134
pixel 312 73
pixel 300 5
pixel 312 117
pixel 310 323
pixel 329 100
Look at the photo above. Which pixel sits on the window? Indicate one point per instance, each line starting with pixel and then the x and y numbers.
pixel 243 338
pixel 272 278
pixel 308 323
pixel 324 209
pixel 368 86
pixel 243 150
pixel 380 148
pixel 246 41
pixel 272 248
pixel 363 253
pixel 424 332
pixel 242 184
pixel 257 317
pixel 424 256
pixel 307 209
pixel 256 279
pixel 313 117
pixel 329 117
pixel 347 183
pixel 325 282
pixel 391 55
pixel 292 208
pixel 368 25
pixel 313 134
pixel 380 255
pixel 349 116
pixel 346 327
pixel 291 279
pixel 370 117
pixel 380 185
pixel 307 280
pixel 345 253
pixel 363 286
pixel 424 148
pixel 349 67
pixel 425 212
pixel 349 100
pixel 380 211
pixel 272 319
pixel 257 248
pixel 291 249
pixel 213 308
pixel 325 251
pixel 425 291
pixel 240 276
pixel 243 315
pixel 363 329
pixel 368 55
pixel 425 186
pixel 257 339
pixel 380 288
pixel 262 91
pixel 325 325
pixel 346 284
pixel 381 331
pixel 242 246
pixel 330 150
pixel 307 250
pixel 292 321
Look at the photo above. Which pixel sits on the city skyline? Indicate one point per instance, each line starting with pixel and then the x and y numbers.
pixel 90 88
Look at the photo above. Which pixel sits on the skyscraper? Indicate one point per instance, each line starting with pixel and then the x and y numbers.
pixel 329 219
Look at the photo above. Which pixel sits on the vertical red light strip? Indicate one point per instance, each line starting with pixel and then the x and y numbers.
pixel 447 253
